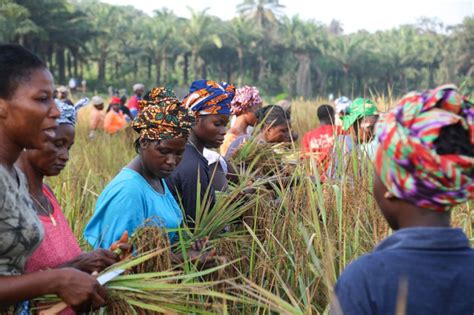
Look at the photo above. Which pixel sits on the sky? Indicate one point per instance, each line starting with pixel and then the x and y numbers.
pixel 371 15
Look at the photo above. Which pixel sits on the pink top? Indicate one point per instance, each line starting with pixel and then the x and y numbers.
pixel 59 244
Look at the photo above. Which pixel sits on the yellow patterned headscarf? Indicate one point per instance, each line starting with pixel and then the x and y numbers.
pixel 162 116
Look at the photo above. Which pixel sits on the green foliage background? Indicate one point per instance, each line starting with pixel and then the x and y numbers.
pixel 117 46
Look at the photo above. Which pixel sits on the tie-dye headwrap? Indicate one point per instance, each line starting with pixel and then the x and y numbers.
pixel 406 159
pixel 359 108
pixel 207 97
pixel 68 113
pixel 245 98
pixel 162 116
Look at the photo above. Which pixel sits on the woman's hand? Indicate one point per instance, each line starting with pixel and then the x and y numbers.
pixel 80 290
pixel 94 261
pixel 122 247
pixel 201 253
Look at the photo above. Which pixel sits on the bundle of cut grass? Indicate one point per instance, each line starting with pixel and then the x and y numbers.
pixel 167 292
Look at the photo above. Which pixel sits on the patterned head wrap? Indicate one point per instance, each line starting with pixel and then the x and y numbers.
pixel 359 108
pixel 207 97
pixel 245 98
pixel 162 116
pixel 68 113
pixel 406 158
pixel 342 103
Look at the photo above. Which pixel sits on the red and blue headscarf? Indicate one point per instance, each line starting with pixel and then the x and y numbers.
pixel 407 160
pixel 207 97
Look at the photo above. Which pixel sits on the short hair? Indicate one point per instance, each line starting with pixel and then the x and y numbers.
pixel 16 65
pixel 454 139
pixel 326 113
pixel 272 115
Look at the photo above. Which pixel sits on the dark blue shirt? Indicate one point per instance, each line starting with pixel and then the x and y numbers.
pixel 183 182
pixel 437 263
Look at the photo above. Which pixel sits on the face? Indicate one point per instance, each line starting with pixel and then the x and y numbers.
pixel 366 128
pixel 277 134
pixel 52 158
pixel 115 107
pixel 28 118
pixel 161 157
pixel 99 107
pixel 211 129
pixel 250 117
pixel 62 95
pixel 139 92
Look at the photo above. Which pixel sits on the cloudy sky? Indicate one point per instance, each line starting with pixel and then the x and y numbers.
pixel 371 15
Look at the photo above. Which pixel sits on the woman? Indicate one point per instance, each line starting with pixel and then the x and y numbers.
pixel 28 120
pixel 275 128
pixel 209 102
pixel 133 103
pixel 59 247
pixel 361 118
pixel 424 167
pixel 139 193
pixel 114 119
pixel 97 116
pixel 342 104
pixel 246 102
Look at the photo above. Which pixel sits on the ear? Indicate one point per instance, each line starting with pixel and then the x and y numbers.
pixel 3 108
pixel 144 144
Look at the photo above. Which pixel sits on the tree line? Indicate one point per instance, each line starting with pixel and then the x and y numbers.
pixel 120 45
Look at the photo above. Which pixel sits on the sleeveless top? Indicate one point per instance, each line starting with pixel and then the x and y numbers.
pixel 59 245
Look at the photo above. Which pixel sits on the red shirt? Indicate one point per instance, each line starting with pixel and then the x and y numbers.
pixel 133 103
pixel 318 144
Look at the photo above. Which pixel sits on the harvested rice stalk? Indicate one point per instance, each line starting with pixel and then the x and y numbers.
pixel 147 239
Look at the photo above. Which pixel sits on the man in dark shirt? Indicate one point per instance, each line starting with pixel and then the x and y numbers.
pixel 424 167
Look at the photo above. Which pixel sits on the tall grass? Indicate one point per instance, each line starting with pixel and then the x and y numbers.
pixel 289 240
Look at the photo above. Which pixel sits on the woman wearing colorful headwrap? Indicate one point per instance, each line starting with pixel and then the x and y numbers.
pixel 59 247
pixel 139 193
pixel 424 167
pixel 209 102
pixel 245 104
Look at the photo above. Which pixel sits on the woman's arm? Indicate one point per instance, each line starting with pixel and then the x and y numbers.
pixel 78 289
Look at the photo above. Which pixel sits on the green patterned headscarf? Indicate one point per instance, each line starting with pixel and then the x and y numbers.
pixel 359 108
pixel 162 116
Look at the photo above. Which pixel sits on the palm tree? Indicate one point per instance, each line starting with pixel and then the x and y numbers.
pixel 243 37
pixel 264 13
pixel 200 33
pixel 15 22
pixel 104 18
pixel 158 34
pixel 304 40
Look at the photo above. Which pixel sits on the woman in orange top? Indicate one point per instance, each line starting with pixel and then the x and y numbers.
pixel 115 119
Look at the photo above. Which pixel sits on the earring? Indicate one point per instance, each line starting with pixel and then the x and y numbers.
pixel 388 195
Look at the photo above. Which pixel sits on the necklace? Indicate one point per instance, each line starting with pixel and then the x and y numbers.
pixel 49 211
